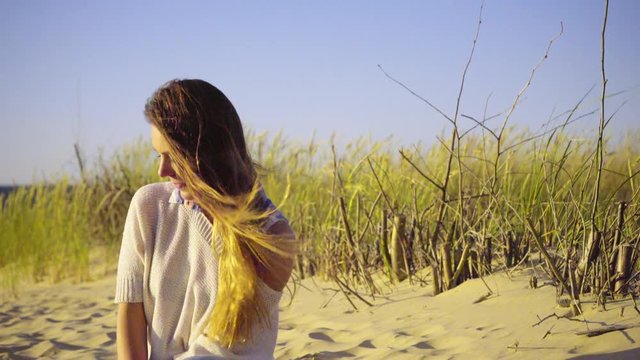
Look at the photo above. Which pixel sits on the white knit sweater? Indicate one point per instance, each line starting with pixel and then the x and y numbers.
pixel 167 263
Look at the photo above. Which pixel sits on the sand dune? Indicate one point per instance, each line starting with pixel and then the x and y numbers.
pixel 411 324
pixel 60 321
pixel 67 321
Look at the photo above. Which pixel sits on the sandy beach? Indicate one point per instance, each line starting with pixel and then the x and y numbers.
pixel 67 321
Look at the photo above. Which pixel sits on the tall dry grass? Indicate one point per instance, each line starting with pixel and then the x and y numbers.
pixel 339 198
pixel 51 230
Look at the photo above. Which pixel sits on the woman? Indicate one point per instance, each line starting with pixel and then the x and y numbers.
pixel 204 257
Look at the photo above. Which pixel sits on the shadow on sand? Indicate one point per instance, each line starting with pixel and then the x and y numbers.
pixel 632 354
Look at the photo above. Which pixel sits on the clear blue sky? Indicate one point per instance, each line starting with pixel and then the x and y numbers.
pixel 81 71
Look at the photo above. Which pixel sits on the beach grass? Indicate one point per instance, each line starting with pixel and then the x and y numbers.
pixel 336 198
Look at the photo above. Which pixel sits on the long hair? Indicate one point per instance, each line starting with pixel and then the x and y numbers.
pixel 208 151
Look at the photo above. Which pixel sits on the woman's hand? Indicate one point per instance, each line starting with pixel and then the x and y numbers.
pixel 131 332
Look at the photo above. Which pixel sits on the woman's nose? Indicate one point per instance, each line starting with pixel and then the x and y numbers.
pixel 165 169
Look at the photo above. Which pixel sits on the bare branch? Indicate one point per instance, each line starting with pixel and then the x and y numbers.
pixel 415 94
pixel 526 86
pixel 427 177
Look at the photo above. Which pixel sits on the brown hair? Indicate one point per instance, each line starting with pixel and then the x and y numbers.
pixel 208 150
pixel 206 129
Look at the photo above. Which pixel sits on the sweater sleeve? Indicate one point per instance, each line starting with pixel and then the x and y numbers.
pixel 129 281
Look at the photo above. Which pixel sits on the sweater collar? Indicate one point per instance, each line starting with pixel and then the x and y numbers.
pixel 176 198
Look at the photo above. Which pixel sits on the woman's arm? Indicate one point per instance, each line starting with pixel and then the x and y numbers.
pixel 277 270
pixel 131 333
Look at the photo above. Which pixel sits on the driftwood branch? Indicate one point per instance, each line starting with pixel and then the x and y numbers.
pixel 554 315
